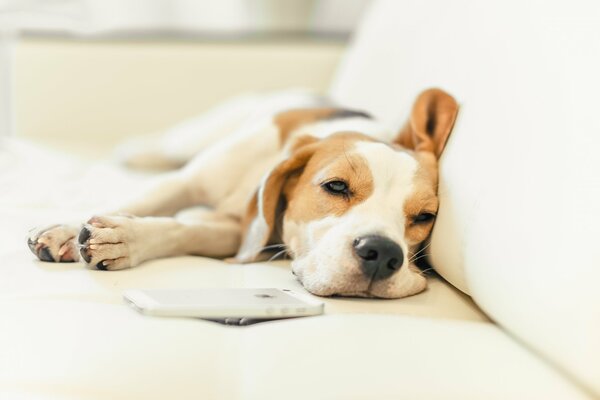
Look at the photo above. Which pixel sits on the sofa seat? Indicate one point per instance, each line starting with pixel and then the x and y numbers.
pixel 66 333
pixel 96 348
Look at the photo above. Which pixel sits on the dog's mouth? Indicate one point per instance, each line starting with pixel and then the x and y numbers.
pixel 360 290
pixel 362 295
pixel 347 285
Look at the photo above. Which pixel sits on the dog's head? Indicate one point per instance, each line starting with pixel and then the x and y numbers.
pixel 353 211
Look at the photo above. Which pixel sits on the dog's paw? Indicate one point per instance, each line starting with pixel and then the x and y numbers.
pixel 105 243
pixel 54 243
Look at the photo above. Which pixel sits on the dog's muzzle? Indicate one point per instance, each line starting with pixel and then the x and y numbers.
pixel 379 256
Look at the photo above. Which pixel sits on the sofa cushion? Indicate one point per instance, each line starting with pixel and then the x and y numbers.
pixel 59 348
pixel 66 333
pixel 67 196
pixel 520 205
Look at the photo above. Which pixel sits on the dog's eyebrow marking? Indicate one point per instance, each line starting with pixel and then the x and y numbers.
pixel 320 176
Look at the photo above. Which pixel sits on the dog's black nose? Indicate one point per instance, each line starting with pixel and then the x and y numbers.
pixel 379 256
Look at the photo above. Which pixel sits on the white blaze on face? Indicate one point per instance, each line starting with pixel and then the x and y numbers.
pixel 324 257
pixel 393 174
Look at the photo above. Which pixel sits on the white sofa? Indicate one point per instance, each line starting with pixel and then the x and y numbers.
pixel 516 231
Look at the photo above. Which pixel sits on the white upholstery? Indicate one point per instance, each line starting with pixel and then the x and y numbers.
pixel 94 349
pixel 67 335
pixel 519 213
pixel 520 204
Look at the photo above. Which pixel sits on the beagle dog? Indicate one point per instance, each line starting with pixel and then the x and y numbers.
pixel 347 199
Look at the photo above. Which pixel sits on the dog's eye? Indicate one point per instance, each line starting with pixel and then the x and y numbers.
pixel 423 218
pixel 336 187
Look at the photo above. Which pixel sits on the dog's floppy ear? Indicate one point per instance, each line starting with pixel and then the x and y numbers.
pixel 431 122
pixel 261 215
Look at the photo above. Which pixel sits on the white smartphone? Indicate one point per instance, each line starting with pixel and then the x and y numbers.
pixel 223 303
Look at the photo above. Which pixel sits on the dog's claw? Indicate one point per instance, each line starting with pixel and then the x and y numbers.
pixel 70 243
pixel 84 235
pixel 84 254
pixel 101 266
pixel 45 255
pixel 31 245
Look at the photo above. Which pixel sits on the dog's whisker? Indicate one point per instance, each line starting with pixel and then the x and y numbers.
pixel 274 246
pixel 425 247
pixel 412 260
pixel 424 272
pixel 412 257
pixel 416 256
pixel 284 251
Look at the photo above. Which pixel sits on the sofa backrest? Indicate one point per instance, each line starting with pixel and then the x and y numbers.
pixel 520 177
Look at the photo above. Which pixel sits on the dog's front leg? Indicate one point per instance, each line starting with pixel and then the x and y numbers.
pixel 165 196
pixel 232 167
pixel 117 242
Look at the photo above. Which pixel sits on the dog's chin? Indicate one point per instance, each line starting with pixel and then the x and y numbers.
pixel 407 283
pixel 347 279
pixel 368 294
pixel 328 289
pixel 344 280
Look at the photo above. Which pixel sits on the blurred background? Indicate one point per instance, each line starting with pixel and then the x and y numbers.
pixel 82 75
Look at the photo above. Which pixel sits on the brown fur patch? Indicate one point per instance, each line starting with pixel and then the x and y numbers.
pixel 271 193
pixel 431 121
pixel 423 199
pixel 307 200
pixel 292 179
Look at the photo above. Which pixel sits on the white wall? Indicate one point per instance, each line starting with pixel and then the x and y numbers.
pixel 6 104
pixel 96 93
pixel 187 16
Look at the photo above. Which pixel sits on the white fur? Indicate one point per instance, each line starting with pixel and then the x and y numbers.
pixel 258 231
